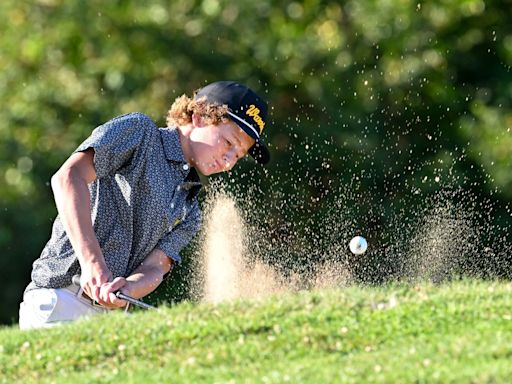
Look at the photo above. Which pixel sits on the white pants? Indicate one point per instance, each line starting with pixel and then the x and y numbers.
pixel 48 307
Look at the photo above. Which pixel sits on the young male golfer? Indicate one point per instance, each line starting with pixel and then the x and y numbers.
pixel 127 201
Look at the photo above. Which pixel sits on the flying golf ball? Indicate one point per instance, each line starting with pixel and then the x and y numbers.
pixel 358 245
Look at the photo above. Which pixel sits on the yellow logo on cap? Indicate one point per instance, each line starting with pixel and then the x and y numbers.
pixel 255 114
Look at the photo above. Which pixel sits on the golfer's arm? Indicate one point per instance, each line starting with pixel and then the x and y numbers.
pixel 148 276
pixel 69 185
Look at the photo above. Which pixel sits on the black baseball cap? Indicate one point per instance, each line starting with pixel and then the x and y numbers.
pixel 245 108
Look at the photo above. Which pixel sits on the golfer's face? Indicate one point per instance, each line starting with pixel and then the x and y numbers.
pixel 217 148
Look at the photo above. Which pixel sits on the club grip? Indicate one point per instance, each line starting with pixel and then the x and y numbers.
pixel 76 281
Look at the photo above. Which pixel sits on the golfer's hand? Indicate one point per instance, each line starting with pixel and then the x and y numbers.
pixel 94 275
pixel 107 296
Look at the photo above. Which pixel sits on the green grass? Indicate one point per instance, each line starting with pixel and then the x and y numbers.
pixel 456 333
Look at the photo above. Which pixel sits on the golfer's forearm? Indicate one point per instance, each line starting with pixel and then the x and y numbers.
pixel 144 281
pixel 73 204
pixel 148 276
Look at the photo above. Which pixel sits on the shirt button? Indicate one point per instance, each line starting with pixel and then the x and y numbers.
pixel 185 167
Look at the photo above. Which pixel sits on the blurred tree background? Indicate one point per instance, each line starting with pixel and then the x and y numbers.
pixel 395 99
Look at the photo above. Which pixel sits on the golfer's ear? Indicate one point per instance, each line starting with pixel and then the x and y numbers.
pixel 197 120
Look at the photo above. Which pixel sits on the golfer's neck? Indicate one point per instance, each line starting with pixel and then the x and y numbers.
pixel 184 133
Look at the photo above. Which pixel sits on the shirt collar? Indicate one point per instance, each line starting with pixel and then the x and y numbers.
pixel 172 144
pixel 173 152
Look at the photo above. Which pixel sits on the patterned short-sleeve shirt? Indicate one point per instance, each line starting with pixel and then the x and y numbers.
pixel 144 197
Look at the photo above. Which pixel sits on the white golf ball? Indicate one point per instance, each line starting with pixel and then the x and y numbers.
pixel 358 245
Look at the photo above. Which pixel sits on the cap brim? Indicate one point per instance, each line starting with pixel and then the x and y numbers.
pixel 259 150
pixel 260 153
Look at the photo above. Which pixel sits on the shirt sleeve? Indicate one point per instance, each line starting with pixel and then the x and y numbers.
pixel 116 142
pixel 175 240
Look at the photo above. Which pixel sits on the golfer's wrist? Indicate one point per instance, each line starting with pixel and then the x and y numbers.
pixel 128 289
pixel 92 260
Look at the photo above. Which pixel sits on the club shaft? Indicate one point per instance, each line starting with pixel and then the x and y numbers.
pixel 133 301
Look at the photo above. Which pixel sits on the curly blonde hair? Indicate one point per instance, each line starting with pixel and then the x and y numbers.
pixel 183 107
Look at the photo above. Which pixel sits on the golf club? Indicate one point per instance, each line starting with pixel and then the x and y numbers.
pixel 122 296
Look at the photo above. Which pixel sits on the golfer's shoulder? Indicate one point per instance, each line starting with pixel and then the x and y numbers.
pixel 134 120
pixel 135 128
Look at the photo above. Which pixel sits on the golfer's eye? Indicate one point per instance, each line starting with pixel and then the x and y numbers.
pixel 228 143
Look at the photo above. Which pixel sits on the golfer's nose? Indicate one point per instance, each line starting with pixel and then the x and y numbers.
pixel 230 158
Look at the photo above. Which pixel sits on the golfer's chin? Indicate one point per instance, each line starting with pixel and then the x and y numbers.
pixel 209 169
